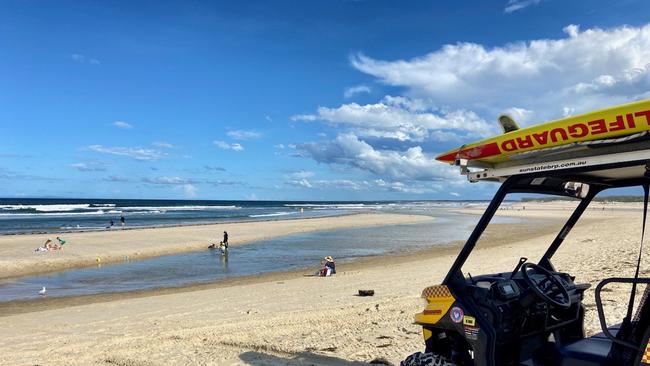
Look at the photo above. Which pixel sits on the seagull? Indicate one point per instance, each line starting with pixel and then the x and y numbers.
pixel 43 291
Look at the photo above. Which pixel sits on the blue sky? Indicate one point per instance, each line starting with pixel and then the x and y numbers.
pixel 292 100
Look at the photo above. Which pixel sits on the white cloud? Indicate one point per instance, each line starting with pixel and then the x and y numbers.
pixel 244 134
pixel 163 144
pixel 585 70
pixel 355 90
pixel 117 178
pixel 93 166
pixel 330 184
pixel 226 146
pixel 301 174
pixel 515 5
pixel 166 180
pixel 410 188
pixel 450 93
pixel 123 125
pixel 190 190
pixel 303 183
pixel 455 194
pixel 136 153
pixel 268 118
pixel 348 150
pixel 400 118
pixel 77 57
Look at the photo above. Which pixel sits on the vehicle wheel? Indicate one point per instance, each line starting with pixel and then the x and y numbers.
pixel 426 359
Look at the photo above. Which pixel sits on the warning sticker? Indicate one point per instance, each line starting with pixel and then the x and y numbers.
pixel 471 333
pixel 469 320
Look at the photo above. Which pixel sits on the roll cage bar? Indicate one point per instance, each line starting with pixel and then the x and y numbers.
pixel 523 184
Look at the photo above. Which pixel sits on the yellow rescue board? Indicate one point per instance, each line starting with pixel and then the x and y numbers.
pixel 616 121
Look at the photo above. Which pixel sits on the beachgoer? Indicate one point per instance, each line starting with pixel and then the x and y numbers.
pixel 224 248
pixel 225 239
pixel 50 245
pixel 122 220
pixel 329 267
pixel 329 262
pixel 45 247
pixel 111 223
pixel 211 246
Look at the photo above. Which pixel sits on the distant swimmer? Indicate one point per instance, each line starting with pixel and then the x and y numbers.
pixel 111 224
pixel 122 221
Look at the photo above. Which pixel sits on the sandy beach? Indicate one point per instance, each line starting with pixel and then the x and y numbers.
pixel 293 319
pixel 17 256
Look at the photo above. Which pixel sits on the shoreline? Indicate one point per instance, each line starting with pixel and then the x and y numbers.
pixel 87 249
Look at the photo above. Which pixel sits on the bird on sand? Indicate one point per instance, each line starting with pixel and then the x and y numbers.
pixel 43 291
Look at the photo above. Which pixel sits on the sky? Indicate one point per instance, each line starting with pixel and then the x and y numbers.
pixel 293 100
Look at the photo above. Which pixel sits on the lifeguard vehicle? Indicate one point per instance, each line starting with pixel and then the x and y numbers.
pixel 533 314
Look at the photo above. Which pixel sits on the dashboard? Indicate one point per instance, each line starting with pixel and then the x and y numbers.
pixel 515 310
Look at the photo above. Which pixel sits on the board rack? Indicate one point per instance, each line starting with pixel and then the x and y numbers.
pixel 581 156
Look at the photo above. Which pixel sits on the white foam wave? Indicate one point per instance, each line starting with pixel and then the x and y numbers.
pixel 341 206
pixel 274 214
pixel 87 213
pixel 67 214
pixel 46 208
pixel 179 208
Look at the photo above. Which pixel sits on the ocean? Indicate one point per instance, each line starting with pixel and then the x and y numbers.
pixel 35 215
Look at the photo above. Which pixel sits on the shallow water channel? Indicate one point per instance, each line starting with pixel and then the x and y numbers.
pixel 279 254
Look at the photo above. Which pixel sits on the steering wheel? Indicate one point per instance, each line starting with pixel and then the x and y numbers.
pixel 549 288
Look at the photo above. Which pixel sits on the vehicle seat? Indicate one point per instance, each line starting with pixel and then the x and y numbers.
pixel 590 351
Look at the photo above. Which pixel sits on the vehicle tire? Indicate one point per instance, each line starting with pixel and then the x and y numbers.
pixel 426 359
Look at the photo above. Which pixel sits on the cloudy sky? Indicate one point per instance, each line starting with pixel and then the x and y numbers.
pixel 328 100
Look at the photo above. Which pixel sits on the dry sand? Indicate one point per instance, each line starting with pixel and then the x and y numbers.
pixel 17 255
pixel 290 319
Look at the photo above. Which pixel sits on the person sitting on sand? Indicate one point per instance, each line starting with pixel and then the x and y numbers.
pixel 329 262
pixel 45 247
pixel 329 267
pixel 49 245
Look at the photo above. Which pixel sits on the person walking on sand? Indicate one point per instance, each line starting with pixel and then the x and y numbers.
pixel 122 221
pixel 225 239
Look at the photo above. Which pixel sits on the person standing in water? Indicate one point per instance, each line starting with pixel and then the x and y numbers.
pixel 122 221
pixel 225 239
